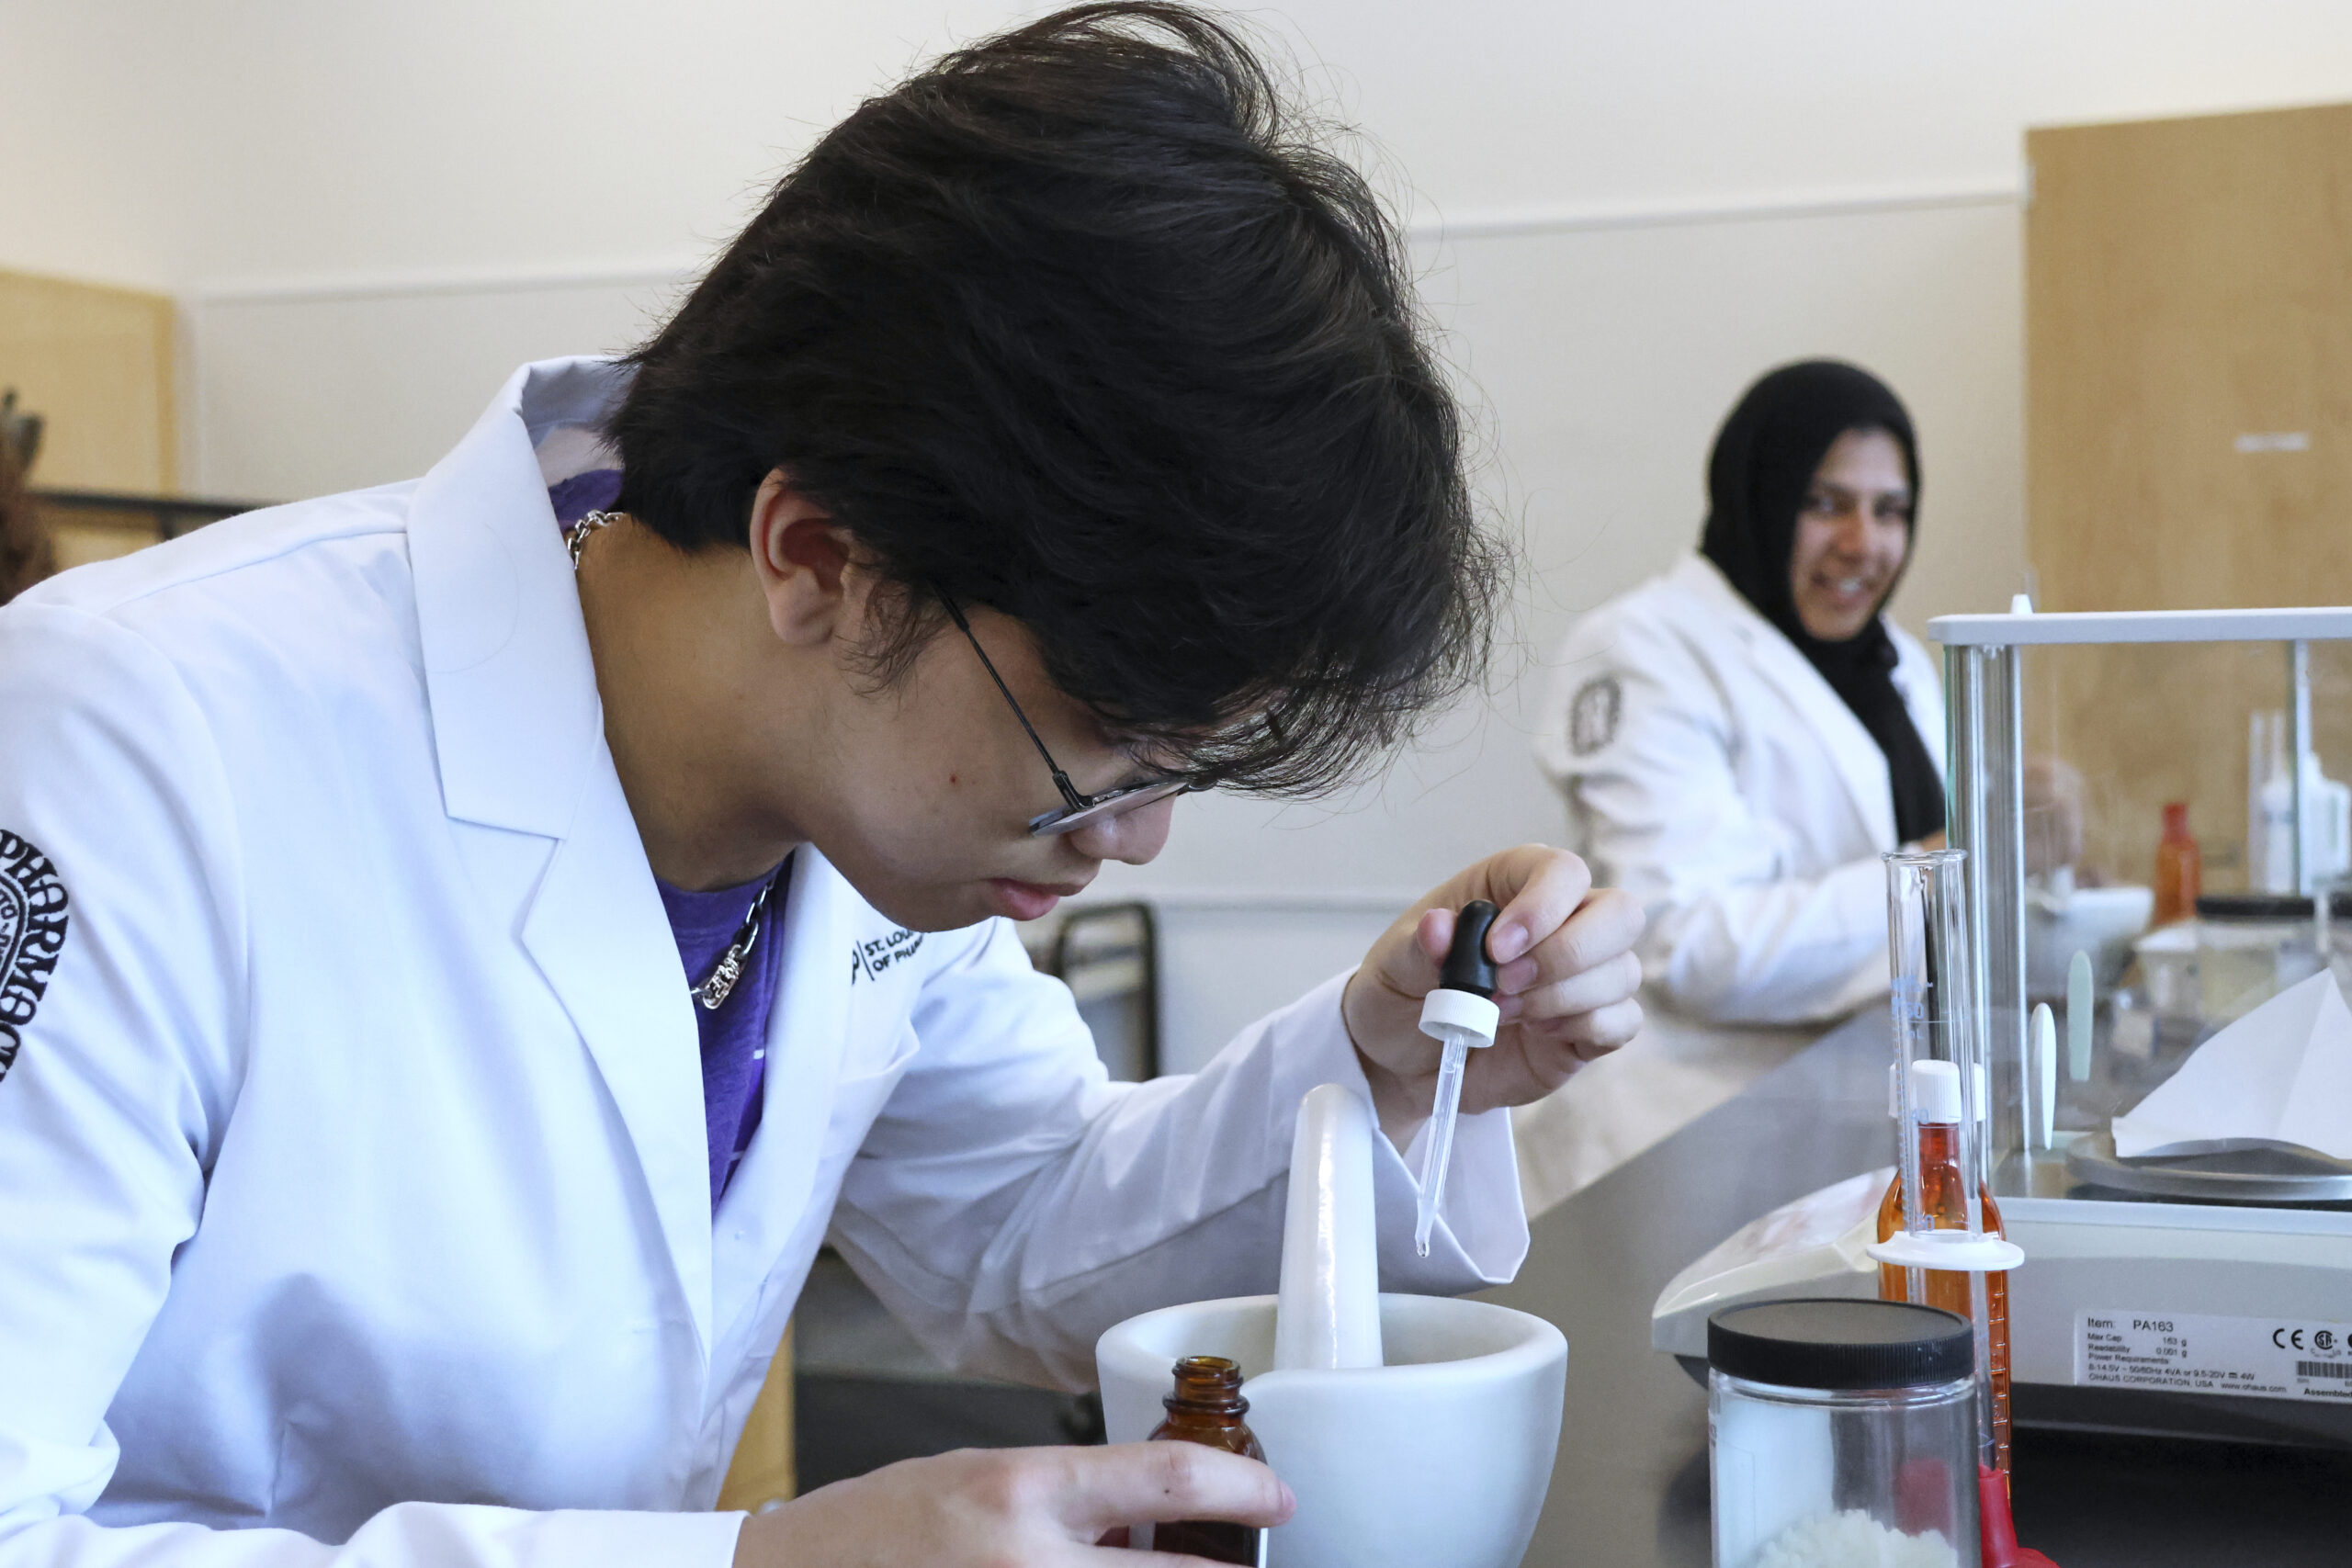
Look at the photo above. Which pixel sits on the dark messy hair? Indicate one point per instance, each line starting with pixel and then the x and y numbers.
pixel 1084 324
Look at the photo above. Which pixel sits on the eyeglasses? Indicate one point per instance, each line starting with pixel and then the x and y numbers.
pixel 1076 810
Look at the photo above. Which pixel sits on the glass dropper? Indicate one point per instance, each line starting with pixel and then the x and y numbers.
pixel 1460 1015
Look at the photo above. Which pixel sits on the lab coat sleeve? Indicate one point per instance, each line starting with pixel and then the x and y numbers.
pixel 1010 1204
pixel 1734 936
pixel 123 1085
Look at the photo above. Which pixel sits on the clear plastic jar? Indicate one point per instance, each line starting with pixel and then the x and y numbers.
pixel 1842 1434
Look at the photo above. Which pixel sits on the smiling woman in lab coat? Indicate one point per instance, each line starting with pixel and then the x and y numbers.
pixel 1738 741
pixel 464 944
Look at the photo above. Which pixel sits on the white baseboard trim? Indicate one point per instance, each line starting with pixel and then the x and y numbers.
pixel 335 287
pixel 1498 223
pixel 1851 203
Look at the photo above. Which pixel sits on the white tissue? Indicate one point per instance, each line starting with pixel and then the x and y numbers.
pixel 2282 1074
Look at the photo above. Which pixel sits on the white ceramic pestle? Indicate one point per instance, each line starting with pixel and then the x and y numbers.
pixel 1439 1451
pixel 1327 1314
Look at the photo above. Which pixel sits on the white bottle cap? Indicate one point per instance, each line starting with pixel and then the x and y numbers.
pixel 1984 1100
pixel 1935 1092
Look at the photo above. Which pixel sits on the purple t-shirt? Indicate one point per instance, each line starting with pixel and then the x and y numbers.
pixel 734 1035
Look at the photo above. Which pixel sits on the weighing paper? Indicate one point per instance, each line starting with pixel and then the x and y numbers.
pixel 2281 1075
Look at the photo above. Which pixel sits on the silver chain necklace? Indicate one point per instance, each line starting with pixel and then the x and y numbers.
pixel 576 538
pixel 720 982
pixel 729 968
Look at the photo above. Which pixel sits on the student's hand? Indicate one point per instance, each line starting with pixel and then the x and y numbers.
pixel 1566 976
pixel 989 1507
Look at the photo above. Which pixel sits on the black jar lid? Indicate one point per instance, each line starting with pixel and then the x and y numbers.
pixel 1839 1343
pixel 2269 906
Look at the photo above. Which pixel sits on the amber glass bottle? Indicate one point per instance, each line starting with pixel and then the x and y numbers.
pixel 1207 1408
pixel 2179 868
pixel 1939 1182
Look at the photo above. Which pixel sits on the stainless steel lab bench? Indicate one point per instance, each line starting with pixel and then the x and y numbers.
pixel 1631 1485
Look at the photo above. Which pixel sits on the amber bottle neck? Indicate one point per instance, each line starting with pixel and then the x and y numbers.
pixel 1207 1386
pixel 1938 1143
pixel 1940 1168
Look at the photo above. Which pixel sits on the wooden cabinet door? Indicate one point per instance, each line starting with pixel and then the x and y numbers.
pixel 2189 320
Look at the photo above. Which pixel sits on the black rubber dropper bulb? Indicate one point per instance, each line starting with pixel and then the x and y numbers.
pixel 1467 967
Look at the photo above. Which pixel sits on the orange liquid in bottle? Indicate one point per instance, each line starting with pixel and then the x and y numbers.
pixel 1946 1203
pixel 2180 870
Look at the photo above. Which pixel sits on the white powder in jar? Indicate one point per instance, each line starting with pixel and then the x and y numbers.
pixel 1854 1539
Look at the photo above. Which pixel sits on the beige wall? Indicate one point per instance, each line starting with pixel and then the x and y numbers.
pixel 173 144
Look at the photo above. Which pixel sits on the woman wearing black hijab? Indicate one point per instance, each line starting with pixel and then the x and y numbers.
pixel 1777 532
pixel 1737 740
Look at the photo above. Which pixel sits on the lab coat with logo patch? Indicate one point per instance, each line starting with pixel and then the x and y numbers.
pixel 354 1181
pixel 1709 771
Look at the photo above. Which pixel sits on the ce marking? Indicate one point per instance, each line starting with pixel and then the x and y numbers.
pixel 2283 1338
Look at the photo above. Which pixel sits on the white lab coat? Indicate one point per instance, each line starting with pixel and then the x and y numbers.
pixel 1711 772
pixel 352 1172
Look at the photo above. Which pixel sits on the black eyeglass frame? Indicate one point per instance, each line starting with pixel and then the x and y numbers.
pixel 1078 809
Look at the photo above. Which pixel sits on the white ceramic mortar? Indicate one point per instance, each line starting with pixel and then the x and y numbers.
pixel 1439 1458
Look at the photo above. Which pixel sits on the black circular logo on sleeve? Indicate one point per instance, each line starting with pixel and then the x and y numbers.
pixel 32 933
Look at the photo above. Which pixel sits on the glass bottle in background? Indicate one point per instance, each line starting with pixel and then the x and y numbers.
pixel 1207 1408
pixel 1935 1099
pixel 2179 868
pixel 2270 805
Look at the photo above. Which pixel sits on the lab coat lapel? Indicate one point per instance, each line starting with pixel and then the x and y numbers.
pixel 515 710
pixel 518 731
pixel 598 932
pixel 1857 760
pixel 769 1196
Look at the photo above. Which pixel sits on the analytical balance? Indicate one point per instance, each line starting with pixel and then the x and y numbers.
pixel 2209 1293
